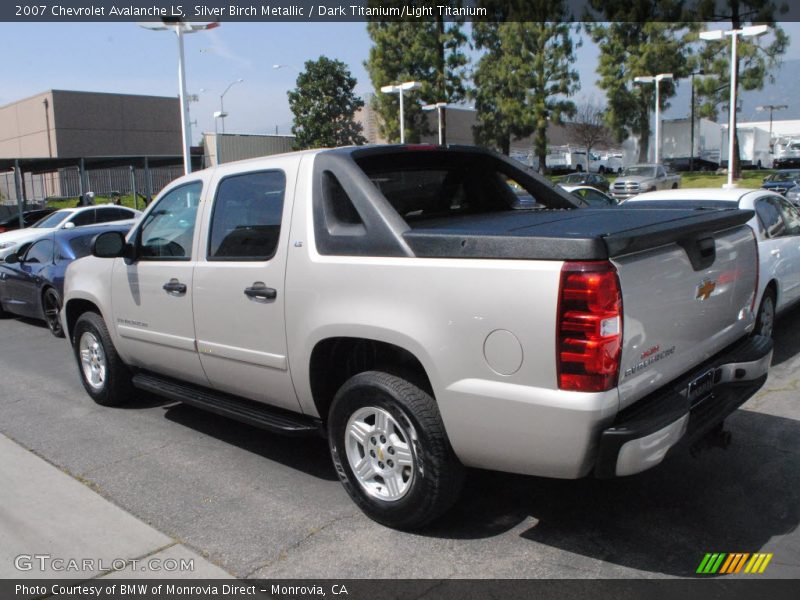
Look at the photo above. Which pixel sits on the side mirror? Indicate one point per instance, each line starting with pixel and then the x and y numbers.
pixel 109 244
pixel 12 258
pixel 69 225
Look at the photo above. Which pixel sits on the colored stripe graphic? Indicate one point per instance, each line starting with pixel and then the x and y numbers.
pixel 726 564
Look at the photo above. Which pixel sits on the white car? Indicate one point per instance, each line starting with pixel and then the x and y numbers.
pixel 65 218
pixel 777 228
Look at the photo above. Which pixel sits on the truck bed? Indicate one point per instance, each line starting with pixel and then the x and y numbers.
pixel 555 234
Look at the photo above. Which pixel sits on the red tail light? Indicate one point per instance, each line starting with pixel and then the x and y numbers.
pixel 589 327
pixel 2 229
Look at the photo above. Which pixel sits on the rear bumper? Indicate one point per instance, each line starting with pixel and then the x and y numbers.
pixel 683 412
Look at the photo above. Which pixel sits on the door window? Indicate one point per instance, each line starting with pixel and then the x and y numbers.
pixel 107 215
pixel 791 216
pixel 85 217
pixel 246 222
pixel 40 252
pixel 770 218
pixel 168 230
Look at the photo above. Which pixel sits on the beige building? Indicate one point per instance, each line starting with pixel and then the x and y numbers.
pixel 239 146
pixel 68 124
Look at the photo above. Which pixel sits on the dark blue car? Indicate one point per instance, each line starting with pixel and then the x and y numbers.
pixel 782 180
pixel 32 280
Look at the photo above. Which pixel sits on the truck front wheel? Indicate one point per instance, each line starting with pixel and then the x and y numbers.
pixel 391 452
pixel 103 374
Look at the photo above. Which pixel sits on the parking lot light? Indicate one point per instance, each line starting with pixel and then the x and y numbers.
pixel 656 79
pixel 718 34
pixel 399 88
pixel 438 107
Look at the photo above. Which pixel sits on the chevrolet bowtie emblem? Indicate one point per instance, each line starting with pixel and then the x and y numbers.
pixel 705 288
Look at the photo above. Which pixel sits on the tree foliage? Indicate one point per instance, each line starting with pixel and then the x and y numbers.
pixel 632 49
pixel 588 127
pixel 324 106
pixel 524 79
pixel 427 51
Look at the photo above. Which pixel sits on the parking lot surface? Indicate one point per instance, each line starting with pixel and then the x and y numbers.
pixel 261 505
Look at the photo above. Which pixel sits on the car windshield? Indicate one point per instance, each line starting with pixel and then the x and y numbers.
pixel 639 170
pixel 574 178
pixel 784 176
pixel 53 220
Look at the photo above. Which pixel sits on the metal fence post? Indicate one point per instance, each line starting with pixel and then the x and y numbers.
pixel 18 184
pixel 133 187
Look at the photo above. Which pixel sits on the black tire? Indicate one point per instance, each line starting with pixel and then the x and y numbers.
pixel 51 306
pixel 674 186
pixel 115 387
pixel 765 321
pixel 435 476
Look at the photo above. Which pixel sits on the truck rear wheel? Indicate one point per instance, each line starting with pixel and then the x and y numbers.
pixel 391 452
pixel 103 374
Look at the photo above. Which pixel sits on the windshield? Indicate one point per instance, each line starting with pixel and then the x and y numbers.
pixel 784 176
pixel 574 178
pixel 639 170
pixel 53 220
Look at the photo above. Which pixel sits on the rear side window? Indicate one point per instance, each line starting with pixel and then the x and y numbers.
pixel 85 217
pixel 770 218
pixel 246 220
pixel 107 215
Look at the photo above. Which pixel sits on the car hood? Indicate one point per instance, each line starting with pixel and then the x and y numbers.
pixel 633 179
pixel 19 236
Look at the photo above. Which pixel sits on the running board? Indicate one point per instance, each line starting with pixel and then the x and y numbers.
pixel 247 411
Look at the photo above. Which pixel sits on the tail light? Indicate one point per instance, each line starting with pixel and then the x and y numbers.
pixel 2 229
pixel 589 327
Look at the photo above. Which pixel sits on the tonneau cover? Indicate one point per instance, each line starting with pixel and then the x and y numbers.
pixel 576 234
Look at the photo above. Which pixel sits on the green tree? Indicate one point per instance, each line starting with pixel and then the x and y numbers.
pixel 525 78
pixel 633 48
pixel 428 51
pixel 324 106
pixel 756 57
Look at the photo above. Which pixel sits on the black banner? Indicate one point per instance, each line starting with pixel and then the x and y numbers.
pixel 403 589
pixel 395 10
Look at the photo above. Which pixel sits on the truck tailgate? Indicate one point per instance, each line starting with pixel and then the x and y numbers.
pixel 683 303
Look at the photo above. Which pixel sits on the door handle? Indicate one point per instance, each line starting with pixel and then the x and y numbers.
pixel 775 252
pixel 260 291
pixel 174 287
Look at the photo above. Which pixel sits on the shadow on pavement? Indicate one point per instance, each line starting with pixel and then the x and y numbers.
pixel 306 454
pixel 662 521
pixel 787 340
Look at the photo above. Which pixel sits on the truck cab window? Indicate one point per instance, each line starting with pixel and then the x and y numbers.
pixel 168 230
pixel 246 221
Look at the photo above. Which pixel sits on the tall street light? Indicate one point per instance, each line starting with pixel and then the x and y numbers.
pixel 406 86
pixel 771 108
pixel 734 34
pixel 691 127
pixel 181 28
pixel 438 107
pixel 656 79
pixel 222 112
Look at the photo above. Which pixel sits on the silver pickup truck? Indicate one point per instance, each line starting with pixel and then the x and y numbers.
pixel 425 309
pixel 637 179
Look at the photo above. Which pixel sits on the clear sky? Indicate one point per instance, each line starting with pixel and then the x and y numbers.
pixel 125 58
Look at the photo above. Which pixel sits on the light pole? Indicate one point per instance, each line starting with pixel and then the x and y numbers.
pixel 691 127
pixel 734 34
pixel 771 108
pixel 406 86
pixel 656 79
pixel 222 113
pixel 438 107
pixel 180 28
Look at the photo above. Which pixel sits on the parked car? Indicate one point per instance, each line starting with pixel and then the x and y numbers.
pixel 591 179
pixel 776 224
pixel 32 282
pixel 781 181
pixel 793 195
pixel 406 303
pixel 637 179
pixel 29 217
pixel 66 218
pixel 590 195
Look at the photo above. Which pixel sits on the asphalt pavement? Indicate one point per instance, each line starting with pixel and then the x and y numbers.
pixel 172 479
